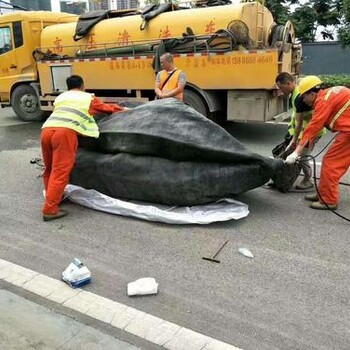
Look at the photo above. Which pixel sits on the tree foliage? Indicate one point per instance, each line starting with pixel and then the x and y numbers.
pixel 307 17
pixel 344 28
pixel 280 9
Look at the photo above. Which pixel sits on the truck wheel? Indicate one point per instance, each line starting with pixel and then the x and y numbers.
pixel 25 103
pixel 193 100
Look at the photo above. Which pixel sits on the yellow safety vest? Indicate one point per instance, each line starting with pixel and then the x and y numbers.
pixel 171 84
pixel 72 111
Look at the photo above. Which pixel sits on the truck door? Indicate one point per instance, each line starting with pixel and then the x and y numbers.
pixel 8 61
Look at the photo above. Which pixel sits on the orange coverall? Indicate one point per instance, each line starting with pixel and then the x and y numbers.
pixel 336 161
pixel 59 147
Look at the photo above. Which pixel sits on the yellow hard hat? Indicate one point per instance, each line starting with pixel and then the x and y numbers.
pixel 308 83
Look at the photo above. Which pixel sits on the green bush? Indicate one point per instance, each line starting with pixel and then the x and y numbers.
pixel 335 80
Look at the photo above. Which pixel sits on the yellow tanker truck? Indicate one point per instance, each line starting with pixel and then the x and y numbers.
pixel 231 55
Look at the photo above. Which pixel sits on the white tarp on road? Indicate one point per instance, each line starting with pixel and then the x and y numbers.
pixel 222 210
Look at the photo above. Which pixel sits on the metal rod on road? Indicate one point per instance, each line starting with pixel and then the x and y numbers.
pixel 212 258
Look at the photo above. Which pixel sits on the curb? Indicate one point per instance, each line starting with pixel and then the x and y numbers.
pixel 151 328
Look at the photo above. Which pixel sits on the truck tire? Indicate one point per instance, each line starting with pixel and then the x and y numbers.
pixel 25 103
pixel 193 100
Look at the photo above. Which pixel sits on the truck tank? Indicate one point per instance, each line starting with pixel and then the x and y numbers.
pixel 120 32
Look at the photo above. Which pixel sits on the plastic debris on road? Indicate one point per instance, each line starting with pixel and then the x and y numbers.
pixel 76 274
pixel 246 252
pixel 143 286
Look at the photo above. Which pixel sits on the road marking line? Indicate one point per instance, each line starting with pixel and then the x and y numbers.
pixel 154 329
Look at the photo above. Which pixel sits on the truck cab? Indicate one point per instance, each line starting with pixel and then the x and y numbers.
pixel 19 37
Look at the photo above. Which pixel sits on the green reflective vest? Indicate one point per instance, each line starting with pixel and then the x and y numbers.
pixel 72 111
pixel 306 117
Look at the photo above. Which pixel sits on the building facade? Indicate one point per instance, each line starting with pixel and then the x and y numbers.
pixel 126 4
pixel 33 4
pixel 70 6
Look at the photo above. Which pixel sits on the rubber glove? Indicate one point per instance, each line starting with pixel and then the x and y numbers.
pixel 292 158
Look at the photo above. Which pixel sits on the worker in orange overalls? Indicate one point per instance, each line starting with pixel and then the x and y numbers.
pixel 171 81
pixel 72 116
pixel 301 116
pixel 332 110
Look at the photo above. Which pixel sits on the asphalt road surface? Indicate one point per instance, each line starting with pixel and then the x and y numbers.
pixel 294 294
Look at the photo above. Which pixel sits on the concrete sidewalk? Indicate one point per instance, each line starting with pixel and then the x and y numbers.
pixel 29 326
pixel 27 319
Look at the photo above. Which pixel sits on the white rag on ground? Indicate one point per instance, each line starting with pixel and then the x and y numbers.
pixel 222 210
pixel 143 286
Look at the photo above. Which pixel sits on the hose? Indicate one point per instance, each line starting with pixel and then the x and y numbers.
pixel 313 158
pixel 315 178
